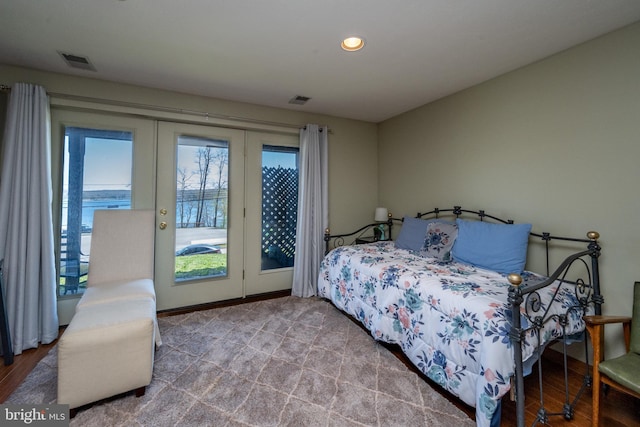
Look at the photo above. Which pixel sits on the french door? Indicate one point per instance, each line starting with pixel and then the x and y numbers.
pixel 226 213
pixel 199 214
pixel 225 203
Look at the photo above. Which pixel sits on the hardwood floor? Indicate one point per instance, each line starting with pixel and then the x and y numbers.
pixel 618 409
pixel 12 376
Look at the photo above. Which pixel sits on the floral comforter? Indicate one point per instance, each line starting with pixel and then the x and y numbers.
pixel 451 319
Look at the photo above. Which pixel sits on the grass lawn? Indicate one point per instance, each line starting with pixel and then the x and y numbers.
pixel 205 265
pixel 187 267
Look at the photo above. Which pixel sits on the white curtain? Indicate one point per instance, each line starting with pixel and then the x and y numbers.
pixel 313 210
pixel 26 231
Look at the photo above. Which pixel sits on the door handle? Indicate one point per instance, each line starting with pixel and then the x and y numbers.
pixel 163 224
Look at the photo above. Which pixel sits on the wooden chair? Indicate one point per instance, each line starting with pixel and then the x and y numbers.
pixel 621 373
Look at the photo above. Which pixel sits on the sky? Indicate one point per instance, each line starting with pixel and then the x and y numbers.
pixel 274 159
pixel 108 163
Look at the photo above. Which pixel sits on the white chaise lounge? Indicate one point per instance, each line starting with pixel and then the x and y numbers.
pixel 108 347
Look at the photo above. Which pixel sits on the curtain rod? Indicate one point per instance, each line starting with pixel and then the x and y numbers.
pixel 7 88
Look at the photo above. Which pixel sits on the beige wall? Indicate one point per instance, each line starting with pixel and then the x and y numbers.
pixel 352 144
pixel 556 143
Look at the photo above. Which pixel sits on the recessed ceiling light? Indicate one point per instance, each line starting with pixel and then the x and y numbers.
pixel 351 44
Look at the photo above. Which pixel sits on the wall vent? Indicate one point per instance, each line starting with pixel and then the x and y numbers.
pixel 77 61
pixel 299 100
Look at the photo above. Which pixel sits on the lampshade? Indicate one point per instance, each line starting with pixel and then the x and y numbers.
pixel 381 214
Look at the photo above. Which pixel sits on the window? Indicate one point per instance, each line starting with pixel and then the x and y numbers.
pixel 279 205
pixel 201 208
pixel 97 171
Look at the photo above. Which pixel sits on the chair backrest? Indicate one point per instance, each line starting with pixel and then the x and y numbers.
pixel 122 246
pixel 635 322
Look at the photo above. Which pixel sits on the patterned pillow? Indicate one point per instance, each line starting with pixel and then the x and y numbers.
pixel 439 241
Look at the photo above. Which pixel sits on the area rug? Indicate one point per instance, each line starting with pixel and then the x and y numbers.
pixel 280 362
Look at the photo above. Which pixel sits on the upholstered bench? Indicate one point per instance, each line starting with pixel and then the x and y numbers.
pixel 106 350
pixel 117 291
pixel 120 291
pixel 108 347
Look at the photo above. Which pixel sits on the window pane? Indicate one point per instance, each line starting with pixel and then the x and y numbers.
pixel 201 208
pixel 96 175
pixel 279 206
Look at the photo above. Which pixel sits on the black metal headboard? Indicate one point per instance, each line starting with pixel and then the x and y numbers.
pixel 481 215
pixel 339 239
pixel 593 248
pixel 458 212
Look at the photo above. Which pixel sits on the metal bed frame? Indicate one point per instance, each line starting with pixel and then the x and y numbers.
pixel 579 271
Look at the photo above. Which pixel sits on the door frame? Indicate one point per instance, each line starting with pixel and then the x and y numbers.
pixel 143 172
pixel 144 191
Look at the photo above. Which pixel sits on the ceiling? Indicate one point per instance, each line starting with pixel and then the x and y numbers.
pixel 267 52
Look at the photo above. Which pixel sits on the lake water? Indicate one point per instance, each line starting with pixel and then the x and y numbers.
pixel 91 205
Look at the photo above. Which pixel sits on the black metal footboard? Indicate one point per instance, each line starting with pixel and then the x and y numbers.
pixel 579 273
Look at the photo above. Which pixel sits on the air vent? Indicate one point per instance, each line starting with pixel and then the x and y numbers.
pixel 299 100
pixel 77 61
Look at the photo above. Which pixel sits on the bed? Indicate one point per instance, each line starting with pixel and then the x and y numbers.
pixel 452 291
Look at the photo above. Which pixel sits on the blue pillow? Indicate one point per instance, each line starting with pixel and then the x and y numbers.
pixel 497 247
pixel 412 233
